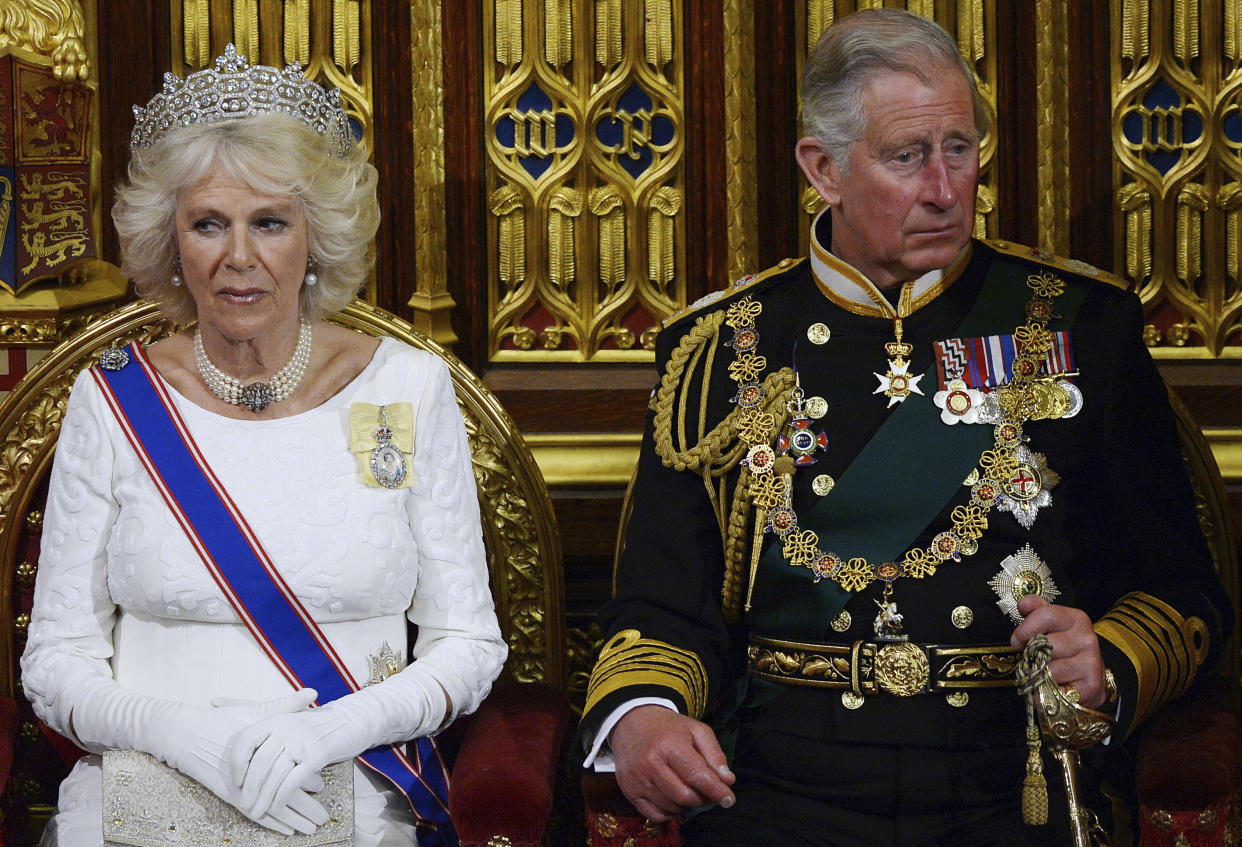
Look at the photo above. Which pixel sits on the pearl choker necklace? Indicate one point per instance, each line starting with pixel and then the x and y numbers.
pixel 256 396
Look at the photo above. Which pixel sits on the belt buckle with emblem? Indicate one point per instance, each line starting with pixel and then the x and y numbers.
pixel 901 669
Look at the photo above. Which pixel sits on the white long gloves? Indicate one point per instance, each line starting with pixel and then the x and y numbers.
pixel 273 758
pixel 195 741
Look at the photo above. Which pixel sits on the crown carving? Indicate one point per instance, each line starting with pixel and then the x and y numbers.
pixel 236 89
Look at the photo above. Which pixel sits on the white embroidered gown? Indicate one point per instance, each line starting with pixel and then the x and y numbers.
pixel 121 593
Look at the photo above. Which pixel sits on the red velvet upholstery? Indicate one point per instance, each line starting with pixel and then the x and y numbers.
pixel 505 772
pixel 1190 766
pixel 613 822
pixel 8 740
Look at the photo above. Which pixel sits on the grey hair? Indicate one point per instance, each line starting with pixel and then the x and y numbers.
pixel 274 154
pixel 857 48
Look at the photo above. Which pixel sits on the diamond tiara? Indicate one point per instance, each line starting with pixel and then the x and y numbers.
pixel 235 89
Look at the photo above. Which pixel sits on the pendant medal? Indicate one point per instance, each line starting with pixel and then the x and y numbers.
pixel 1026 490
pixel 387 462
pixel 958 402
pixel 799 441
pixel 888 623
pixel 889 626
pixel 897 384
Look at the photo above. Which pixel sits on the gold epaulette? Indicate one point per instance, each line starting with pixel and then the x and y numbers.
pixel 744 284
pixel 1045 257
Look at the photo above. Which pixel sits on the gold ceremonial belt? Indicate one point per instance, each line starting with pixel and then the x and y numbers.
pixel 902 668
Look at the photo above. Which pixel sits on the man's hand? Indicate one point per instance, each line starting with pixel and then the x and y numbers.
pixel 1076 656
pixel 667 762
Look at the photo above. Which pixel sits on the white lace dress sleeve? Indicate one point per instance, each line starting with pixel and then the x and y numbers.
pixel 459 638
pixel 70 638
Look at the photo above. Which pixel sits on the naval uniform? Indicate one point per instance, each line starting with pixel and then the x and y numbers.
pixel 782 664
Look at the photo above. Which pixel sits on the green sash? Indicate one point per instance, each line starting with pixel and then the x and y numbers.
pixel 857 518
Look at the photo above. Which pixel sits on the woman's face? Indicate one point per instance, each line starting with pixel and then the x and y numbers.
pixel 243 255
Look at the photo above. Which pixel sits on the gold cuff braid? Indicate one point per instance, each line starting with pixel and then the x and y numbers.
pixel 628 659
pixel 1165 648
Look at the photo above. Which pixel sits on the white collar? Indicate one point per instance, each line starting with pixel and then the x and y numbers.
pixel 845 284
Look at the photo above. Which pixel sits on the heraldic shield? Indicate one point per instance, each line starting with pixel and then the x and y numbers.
pixel 45 187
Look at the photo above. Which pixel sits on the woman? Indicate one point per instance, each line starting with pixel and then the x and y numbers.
pixel 340 463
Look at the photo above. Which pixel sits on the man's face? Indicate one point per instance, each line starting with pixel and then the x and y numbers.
pixel 906 206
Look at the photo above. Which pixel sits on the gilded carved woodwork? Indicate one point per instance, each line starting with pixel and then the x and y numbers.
pixel 431 301
pixel 196 32
pixel 582 648
pixel 297 32
pixel 973 24
pixel 1177 135
pixel 246 27
pixel 741 173
pixel 1052 127
pixel 346 34
pixel 519 528
pixel 55 29
pixel 820 14
pixel 586 235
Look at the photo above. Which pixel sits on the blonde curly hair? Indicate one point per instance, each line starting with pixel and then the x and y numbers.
pixel 274 154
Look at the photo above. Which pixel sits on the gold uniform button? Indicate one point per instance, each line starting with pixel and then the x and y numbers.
pixel 784 263
pixel 822 484
pixel 818 333
pixel 957 699
pixel 817 407
pixel 842 621
pixel 962 617
pixel 850 700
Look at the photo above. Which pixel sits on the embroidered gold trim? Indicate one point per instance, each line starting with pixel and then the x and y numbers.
pixel 881 307
pixel 867 668
pixel 1164 648
pixel 628 659
pixel 1033 254
pixel 761 410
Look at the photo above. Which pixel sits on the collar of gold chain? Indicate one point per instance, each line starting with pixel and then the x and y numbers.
pixel 771 476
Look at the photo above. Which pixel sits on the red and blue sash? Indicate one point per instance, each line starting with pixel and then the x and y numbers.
pixel 264 602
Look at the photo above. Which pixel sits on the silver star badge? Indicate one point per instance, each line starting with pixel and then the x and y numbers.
pixel 1021 574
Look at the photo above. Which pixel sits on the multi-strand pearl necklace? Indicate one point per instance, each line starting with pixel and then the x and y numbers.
pixel 256 396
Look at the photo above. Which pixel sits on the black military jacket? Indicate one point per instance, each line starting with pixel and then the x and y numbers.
pixel 1120 535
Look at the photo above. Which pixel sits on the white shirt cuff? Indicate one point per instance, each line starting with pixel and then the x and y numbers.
pixel 599 755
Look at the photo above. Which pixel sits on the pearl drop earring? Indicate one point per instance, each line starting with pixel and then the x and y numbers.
pixel 176 279
pixel 311 277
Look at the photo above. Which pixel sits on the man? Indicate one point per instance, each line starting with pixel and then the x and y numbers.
pixel 1014 472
